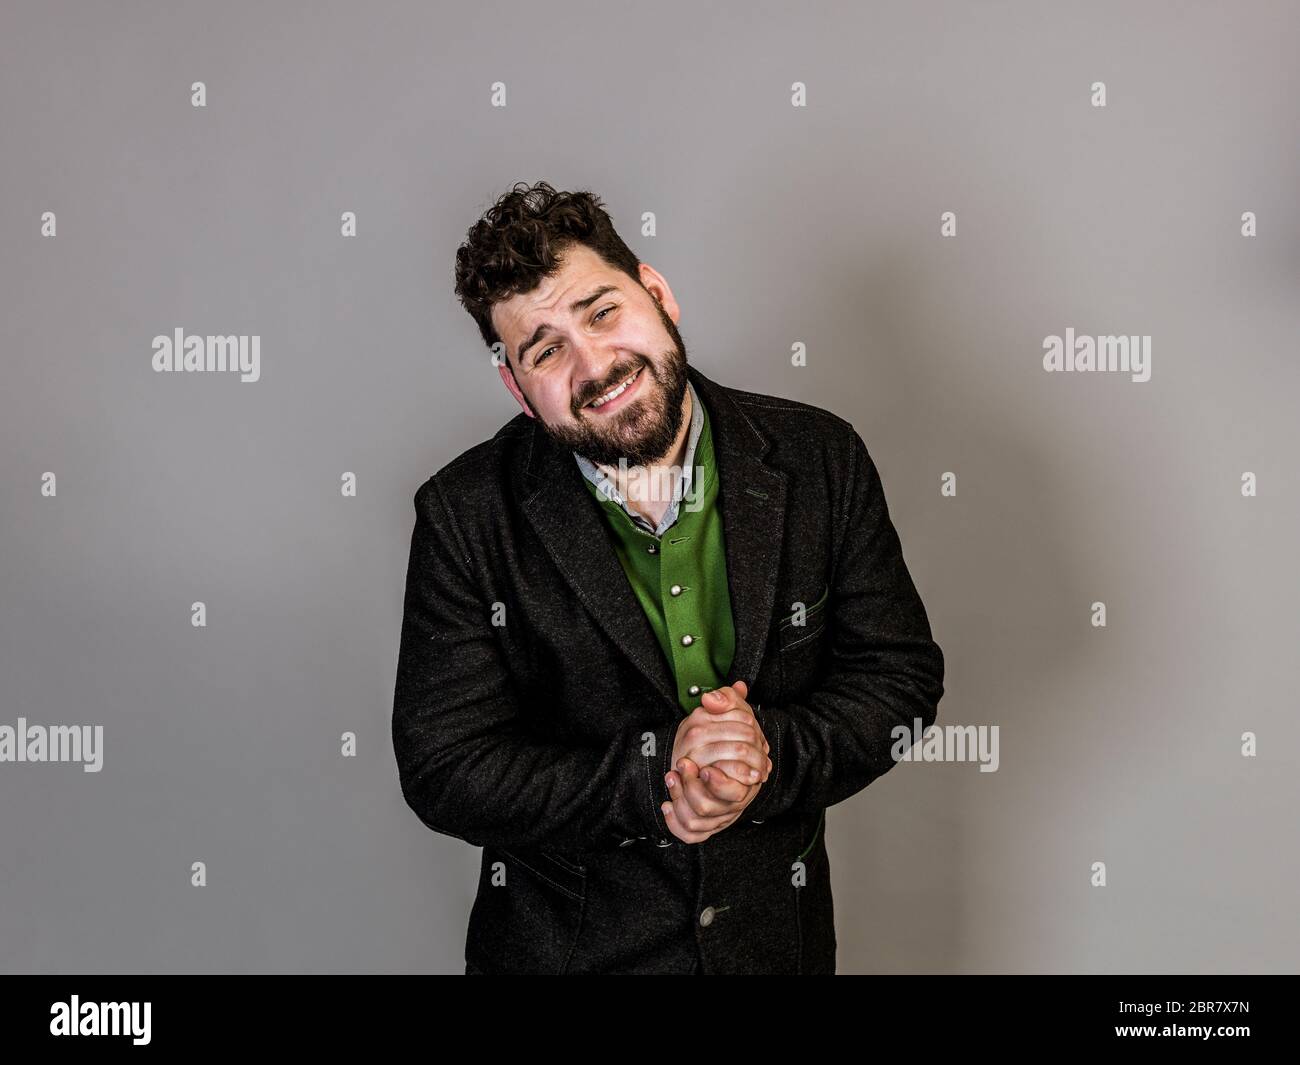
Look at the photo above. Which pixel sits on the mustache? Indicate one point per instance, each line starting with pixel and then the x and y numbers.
pixel 619 378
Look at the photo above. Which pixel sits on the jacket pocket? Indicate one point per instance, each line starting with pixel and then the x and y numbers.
pixel 570 867
pixel 814 903
pixel 801 635
pixel 814 848
pixel 801 649
pixel 787 622
pixel 560 873
pixel 528 912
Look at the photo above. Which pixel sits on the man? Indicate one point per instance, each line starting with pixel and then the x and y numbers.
pixel 653 628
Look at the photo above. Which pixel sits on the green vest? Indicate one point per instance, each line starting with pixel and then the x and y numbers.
pixel 680 579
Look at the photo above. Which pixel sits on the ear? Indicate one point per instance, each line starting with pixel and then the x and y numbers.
pixel 657 285
pixel 509 379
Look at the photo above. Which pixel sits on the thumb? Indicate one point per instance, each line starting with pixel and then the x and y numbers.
pixel 715 702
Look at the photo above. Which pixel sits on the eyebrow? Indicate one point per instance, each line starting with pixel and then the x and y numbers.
pixel 574 308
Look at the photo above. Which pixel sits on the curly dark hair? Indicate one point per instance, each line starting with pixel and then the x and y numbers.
pixel 520 240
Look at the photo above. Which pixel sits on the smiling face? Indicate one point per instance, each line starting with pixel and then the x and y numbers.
pixel 582 333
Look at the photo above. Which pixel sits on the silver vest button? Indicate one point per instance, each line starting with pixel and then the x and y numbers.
pixel 706 917
pixel 687 640
pixel 676 589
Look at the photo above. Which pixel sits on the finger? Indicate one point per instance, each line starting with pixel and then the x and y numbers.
pixel 679 830
pixel 722 785
pixel 727 696
pixel 737 771
pixel 693 807
pixel 723 788
pixel 724 698
pixel 714 730
pixel 733 751
pixel 742 689
pixel 682 820
pixel 702 805
pixel 725 711
pixel 718 700
pixel 744 775
pixel 676 822
pixel 717 782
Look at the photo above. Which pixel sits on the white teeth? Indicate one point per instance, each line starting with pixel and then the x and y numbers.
pixel 612 394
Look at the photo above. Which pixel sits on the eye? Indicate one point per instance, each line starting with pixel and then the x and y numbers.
pixel 595 318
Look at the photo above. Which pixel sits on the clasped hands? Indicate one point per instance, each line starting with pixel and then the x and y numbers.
pixel 720 760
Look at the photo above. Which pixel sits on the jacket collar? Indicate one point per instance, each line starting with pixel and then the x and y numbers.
pixel 751 494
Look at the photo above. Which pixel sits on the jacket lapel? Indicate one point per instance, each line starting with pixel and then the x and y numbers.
pixel 751 494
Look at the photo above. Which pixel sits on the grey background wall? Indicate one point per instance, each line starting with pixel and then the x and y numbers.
pixel 776 224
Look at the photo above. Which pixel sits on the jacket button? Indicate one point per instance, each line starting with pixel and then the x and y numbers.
pixel 687 640
pixel 755 821
pixel 676 589
pixel 662 843
pixel 694 689
pixel 627 841
pixel 652 549
pixel 706 917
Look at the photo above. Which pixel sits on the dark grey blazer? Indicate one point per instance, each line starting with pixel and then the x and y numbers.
pixel 534 711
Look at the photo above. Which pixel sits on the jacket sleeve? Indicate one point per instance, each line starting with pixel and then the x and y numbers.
pixel 468 764
pixel 885 670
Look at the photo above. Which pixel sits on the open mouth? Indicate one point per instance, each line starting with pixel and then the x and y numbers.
pixel 617 396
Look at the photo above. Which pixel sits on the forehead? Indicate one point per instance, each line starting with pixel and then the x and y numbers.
pixel 581 269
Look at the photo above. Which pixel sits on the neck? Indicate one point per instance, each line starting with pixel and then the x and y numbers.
pixel 649 489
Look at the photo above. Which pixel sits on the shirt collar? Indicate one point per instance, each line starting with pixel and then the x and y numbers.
pixel 596 476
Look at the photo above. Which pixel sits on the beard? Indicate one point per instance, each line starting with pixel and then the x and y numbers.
pixel 643 431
